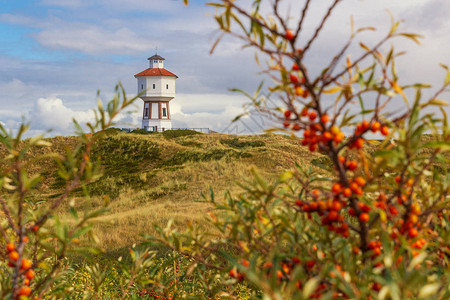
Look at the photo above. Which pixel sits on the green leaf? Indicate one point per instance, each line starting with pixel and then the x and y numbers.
pixel 443 145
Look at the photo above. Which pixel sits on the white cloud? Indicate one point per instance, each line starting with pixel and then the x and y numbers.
pixel 51 113
pixel 87 38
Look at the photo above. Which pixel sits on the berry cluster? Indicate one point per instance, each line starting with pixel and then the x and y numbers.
pixel 26 272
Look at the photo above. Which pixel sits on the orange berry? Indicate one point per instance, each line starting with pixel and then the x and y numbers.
pixel 13 256
pixel 299 202
pixel 324 118
pixel 364 217
pixel 365 125
pixel 375 126
pixel 26 264
pixel 24 291
pixel 293 78
pixel 321 206
pixel 415 209
pixel 245 263
pixel 304 112
pixel 398 179
pixel 10 247
pixel 413 219
pixel 384 130
pixel 352 165
pixel 347 192
pixel 354 187
pixel 30 274
pixel 305 92
pixel 360 181
pixel 356 250
pixel 289 35
pixel 339 137
pixel 315 193
pixel 296 127
pixel 287 114
pixel 312 147
pixel 299 91
pixel 333 215
pixel 327 136
pixel 312 115
pixel 286 124
pixel 413 232
pixel 359 143
pixel 341 159
pixel 26 281
pixel 295 67
pixel 232 273
pixel 336 206
pixel 336 188
pixel 313 206
pixel 335 130
pixel 35 228
pixel 393 210
pixel 25 239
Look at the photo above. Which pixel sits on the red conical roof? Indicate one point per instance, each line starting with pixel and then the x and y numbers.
pixel 155 72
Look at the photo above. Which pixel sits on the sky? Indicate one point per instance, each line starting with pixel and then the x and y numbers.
pixel 56 54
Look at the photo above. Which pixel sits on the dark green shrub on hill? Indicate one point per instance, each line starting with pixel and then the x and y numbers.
pixel 125 154
pixel 171 134
pixel 142 131
pixel 235 143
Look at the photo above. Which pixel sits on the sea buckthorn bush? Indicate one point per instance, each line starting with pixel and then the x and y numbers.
pixel 373 226
pixel 35 243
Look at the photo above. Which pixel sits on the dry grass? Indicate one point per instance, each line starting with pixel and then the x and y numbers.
pixel 151 179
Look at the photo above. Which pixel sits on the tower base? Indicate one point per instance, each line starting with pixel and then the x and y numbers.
pixel 156 125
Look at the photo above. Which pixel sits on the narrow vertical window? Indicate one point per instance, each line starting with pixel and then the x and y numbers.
pixel 167 86
pixel 142 86
pixel 164 113
pixel 154 86
pixel 146 111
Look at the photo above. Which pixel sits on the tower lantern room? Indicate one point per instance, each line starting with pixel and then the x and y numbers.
pixel 156 87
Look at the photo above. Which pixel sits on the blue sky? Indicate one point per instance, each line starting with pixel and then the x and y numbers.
pixel 55 54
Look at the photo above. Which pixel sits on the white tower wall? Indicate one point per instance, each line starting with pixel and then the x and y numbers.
pixel 157 87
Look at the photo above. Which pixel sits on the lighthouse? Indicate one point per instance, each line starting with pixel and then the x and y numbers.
pixel 156 87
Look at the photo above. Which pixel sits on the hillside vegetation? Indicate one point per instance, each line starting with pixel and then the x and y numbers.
pixel 152 178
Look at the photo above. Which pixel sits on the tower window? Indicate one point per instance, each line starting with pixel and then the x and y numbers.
pixel 164 112
pixel 155 61
pixel 146 111
pixel 142 86
pixel 154 86
pixel 167 86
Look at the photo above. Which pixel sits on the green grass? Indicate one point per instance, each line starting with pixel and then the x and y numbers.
pixel 152 178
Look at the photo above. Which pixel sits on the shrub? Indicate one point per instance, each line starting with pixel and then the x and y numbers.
pixel 235 143
pixel 171 134
pixel 378 227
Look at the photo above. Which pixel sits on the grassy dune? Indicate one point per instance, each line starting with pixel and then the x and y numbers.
pixel 152 178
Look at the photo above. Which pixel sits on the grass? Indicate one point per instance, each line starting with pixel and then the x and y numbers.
pixel 152 178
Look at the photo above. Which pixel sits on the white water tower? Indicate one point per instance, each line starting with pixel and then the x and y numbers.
pixel 157 88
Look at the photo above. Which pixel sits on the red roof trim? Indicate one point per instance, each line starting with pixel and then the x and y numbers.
pixel 155 72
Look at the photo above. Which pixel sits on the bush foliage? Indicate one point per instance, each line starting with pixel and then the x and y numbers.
pixel 376 227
